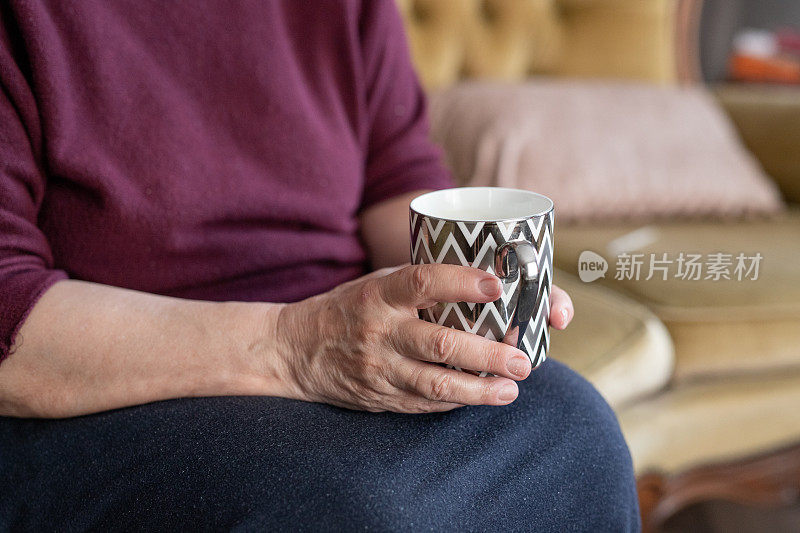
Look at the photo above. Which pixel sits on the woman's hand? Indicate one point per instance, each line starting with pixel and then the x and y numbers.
pixel 362 345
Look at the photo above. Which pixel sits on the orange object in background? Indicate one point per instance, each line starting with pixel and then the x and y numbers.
pixel 760 55
pixel 764 69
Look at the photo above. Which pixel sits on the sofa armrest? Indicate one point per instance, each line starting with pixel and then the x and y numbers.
pixel 768 119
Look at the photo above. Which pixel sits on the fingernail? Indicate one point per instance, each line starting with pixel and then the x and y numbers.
pixel 564 316
pixel 489 286
pixel 508 393
pixel 519 366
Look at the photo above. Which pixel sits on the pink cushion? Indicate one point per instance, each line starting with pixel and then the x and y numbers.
pixel 602 149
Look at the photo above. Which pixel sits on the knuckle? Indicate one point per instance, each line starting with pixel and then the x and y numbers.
pixel 384 385
pixel 496 357
pixel 415 379
pixel 444 345
pixel 372 331
pixel 442 385
pixel 369 292
pixel 486 391
pixel 420 281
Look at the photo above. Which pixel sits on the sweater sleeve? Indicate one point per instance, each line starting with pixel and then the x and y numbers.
pixel 26 261
pixel 400 155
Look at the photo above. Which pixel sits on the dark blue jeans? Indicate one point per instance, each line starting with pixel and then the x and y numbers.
pixel 554 460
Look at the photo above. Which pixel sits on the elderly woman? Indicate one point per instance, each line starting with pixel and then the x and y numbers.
pixel 191 198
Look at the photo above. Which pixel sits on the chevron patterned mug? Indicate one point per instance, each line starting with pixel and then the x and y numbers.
pixel 508 232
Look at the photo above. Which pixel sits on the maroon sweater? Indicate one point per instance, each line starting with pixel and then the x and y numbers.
pixel 209 150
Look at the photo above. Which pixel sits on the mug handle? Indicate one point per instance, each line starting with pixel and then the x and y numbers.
pixel 512 259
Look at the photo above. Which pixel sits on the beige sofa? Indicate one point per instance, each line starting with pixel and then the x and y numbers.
pixel 705 377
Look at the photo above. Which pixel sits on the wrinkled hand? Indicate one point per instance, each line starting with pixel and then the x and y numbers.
pixel 362 345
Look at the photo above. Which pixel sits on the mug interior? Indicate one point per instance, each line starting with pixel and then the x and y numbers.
pixel 481 204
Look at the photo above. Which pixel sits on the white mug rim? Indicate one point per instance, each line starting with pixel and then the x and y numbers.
pixel 487 220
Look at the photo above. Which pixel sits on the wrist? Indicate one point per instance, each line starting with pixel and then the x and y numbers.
pixel 254 361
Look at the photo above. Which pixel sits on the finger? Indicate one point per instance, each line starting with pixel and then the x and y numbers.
pixel 417 404
pixel 428 342
pixel 407 402
pixel 561 309
pixel 440 384
pixel 422 286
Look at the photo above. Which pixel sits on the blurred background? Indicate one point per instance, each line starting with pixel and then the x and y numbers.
pixel 668 134
pixel 762 31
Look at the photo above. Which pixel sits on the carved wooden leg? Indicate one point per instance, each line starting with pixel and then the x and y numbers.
pixel 771 480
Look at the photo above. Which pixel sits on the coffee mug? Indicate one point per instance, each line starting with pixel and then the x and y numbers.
pixel 507 232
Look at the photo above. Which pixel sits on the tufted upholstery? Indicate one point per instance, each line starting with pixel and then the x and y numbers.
pixel 512 39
